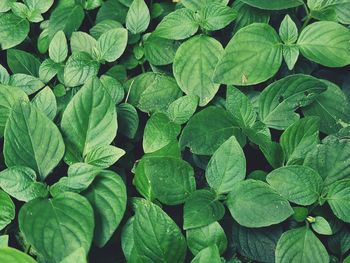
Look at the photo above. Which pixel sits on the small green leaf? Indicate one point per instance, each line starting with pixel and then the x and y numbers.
pixel 290 55
pixel 182 109
pixel 27 83
pixel 111 44
pixel 45 101
pixel 7 210
pixel 20 61
pixel 338 199
pixel 82 42
pixel 288 31
pixel 138 17
pixel 216 16
pixel 13 30
pixel 321 226
pixel 128 120
pixel 104 156
pixel 58 49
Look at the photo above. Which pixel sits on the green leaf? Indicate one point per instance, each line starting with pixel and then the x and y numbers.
pixel 104 156
pixel 20 183
pixel 79 68
pixel 216 16
pixel 239 105
pixel 288 31
pixel 290 55
pixel 300 138
pixel 8 98
pixel 256 204
pixel 208 129
pixel 32 140
pixel 114 88
pixel 97 30
pixel 299 184
pixel 4 240
pixel 245 63
pixel 336 10
pixel 7 209
pixel 321 226
pixel 69 217
pixel 27 83
pixel 201 209
pixel 194 66
pixel 338 199
pixel 89 121
pixel 340 242
pixel 6 5
pixel 208 255
pixel 48 69
pixel 128 120
pixel 273 4
pixel 41 6
pixel 159 132
pixel 111 44
pixel 13 30
pixel 205 236
pixel 82 42
pixel 78 256
pixel 4 75
pixel 226 167
pixel 113 10
pixel 178 25
pixel 331 160
pixel 300 245
pixel 58 49
pixel 200 4
pixel 45 101
pixel 13 255
pixel 138 17
pixel 20 61
pixel 332 108
pixel 326 43
pixel 107 196
pixel 182 109
pixel 278 102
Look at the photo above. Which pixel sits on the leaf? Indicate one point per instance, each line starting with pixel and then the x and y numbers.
pixel 32 140
pixel 107 196
pixel 182 109
pixel 69 218
pixel 128 120
pixel 8 254
pixel 138 17
pixel 112 9
pixel 104 156
pixel 82 42
pixel 78 256
pixel 27 83
pixel 194 66
pixel 299 184
pixel 300 245
pixel 208 129
pixel 20 61
pixel 20 183
pixel 245 63
pixel 89 120
pixel 199 4
pixel 339 243
pixel 113 87
pixel 326 43
pixel 8 98
pixel 13 30
pixel 256 204
pixel 290 55
pixel 6 5
pixel 331 160
pixel 338 199
pixel 7 209
pixel 256 243
pixel 239 105
pixel 226 167
pixel 111 44
pixel 201 209
pixel 45 101
pixel 217 16
pixel 159 132
pixel 178 25
pixel 4 75
pixel 79 68
pixel 97 30
pixel 41 6
pixel 48 69
pixel 288 31
pixel 58 49
pixel 273 4
pixel 157 238
pixel 4 240
pixel 337 10
pixel 278 102
pixel 300 138
pixel 321 226
pixel 332 108
pixel 208 255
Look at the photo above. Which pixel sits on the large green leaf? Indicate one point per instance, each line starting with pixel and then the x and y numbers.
pixel 20 183
pixel 57 227
pixel 256 204
pixel 20 61
pixel 138 17
pixel 8 255
pixel 7 209
pixel 194 66
pixel 157 238
pixel 111 44
pixel 278 102
pixel 299 184
pixel 32 140
pixel 326 43
pixel 13 30
pixel 300 245
pixel 208 129
pixel 107 196
pixel 338 197
pixel 226 167
pixel 89 121
pixel 274 4
pixel 245 62
pixel 201 209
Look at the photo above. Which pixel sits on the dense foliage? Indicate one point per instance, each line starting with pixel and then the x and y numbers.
pixel 201 131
